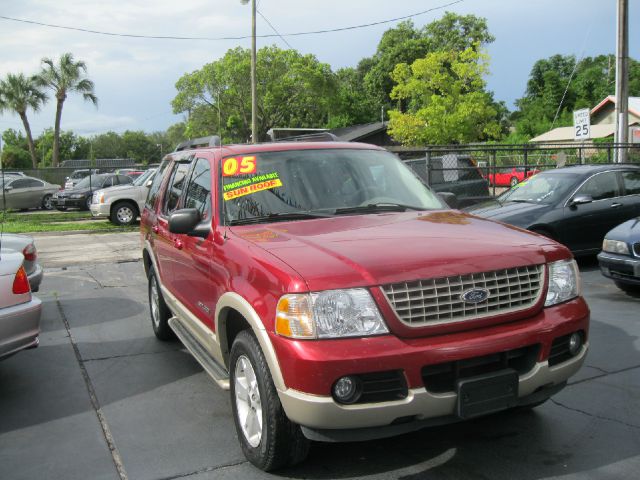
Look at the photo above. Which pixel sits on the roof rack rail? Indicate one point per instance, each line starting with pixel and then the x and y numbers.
pixel 212 141
pixel 311 137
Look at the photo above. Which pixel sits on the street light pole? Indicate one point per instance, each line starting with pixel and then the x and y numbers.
pixel 622 81
pixel 254 93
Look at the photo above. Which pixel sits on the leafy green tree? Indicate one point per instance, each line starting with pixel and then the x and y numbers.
pixel 72 146
pixel 18 93
pixel 65 77
pixel 586 84
pixel 107 145
pixel 139 147
pixel 352 105
pixel 405 43
pixel 15 151
pixel 294 90
pixel 446 100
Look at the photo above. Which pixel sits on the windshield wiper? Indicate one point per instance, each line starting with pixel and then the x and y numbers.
pixel 277 217
pixel 377 207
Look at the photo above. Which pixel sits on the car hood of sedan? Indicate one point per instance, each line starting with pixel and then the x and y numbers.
pixel 520 214
pixel 628 231
pixel 385 248
pixel 73 191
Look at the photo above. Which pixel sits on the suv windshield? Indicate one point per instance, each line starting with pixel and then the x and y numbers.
pixel 546 188
pixel 323 182
pixel 142 179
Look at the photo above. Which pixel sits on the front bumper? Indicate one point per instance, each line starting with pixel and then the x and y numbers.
pixel 67 202
pixel 20 327
pixel 622 268
pixel 311 369
pixel 100 209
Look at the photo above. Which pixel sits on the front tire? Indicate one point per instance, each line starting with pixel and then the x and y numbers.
pixel 160 313
pixel 124 213
pixel 47 203
pixel 268 438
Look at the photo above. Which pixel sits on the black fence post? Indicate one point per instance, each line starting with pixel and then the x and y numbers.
pixel 493 168
pixel 609 154
pixel 526 160
pixel 427 159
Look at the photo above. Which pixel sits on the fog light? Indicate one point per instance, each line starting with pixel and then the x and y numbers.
pixel 347 390
pixel 575 343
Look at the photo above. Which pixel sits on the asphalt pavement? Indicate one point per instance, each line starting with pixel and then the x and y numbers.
pixel 101 398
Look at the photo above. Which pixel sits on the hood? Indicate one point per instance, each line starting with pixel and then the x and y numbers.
pixel 521 214
pixel 368 250
pixel 119 188
pixel 628 231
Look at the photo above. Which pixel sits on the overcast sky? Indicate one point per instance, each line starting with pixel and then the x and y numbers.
pixel 135 78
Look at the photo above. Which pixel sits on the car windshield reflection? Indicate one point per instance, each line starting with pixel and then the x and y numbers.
pixel 547 188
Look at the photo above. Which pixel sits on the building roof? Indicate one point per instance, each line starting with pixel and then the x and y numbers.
pixel 356 132
pixel 565 134
pixel 634 105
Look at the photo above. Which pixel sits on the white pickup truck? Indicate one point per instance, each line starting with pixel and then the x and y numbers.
pixel 122 204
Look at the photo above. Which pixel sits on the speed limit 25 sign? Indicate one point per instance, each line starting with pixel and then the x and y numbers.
pixel 581 124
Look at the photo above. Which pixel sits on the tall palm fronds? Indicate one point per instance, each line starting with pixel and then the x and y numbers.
pixel 65 77
pixel 18 93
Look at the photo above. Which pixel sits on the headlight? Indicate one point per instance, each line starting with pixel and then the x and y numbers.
pixel 564 282
pixel 329 314
pixel 615 246
pixel 77 195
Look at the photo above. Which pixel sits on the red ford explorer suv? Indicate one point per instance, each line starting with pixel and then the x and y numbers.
pixel 340 299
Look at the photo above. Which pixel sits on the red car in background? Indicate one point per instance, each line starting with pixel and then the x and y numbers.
pixel 510 176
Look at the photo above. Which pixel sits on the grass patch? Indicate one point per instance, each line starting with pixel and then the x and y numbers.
pixel 57 222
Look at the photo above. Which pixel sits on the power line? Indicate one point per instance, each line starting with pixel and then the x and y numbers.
pixel 171 37
pixel 274 29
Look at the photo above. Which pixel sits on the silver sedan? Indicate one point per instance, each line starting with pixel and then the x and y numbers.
pixel 26 192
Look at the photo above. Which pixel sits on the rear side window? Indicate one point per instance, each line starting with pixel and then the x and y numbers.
pixel 631 182
pixel 22 183
pixel 175 187
pixel 198 194
pixel 601 186
pixel 155 186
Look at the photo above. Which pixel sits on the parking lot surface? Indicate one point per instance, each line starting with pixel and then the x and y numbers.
pixel 101 398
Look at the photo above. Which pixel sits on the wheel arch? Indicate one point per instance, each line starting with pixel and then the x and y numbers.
pixel 233 315
pixel 133 204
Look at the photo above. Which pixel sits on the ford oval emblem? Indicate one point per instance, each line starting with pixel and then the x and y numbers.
pixel 475 295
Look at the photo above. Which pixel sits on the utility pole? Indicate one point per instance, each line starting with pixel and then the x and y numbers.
pixel 254 93
pixel 622 81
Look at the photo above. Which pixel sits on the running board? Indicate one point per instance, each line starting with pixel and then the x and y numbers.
pixel 213 368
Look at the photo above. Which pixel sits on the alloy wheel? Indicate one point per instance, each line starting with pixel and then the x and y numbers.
pixel 248 401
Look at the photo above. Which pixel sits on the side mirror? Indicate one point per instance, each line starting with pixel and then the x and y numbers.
pixel 580 200
pixel 149 183
pixel 7 188
pixel 449 198
pixel 188 221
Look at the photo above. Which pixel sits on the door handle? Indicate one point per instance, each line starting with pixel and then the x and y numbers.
pixel 616 205
pixel 155 229
pixel 177 243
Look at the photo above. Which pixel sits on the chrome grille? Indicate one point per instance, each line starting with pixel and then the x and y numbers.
pixel 439 300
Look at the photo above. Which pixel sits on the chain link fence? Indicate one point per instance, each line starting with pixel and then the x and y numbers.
pixel 475 173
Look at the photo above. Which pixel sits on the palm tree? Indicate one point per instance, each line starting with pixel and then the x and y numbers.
pixel 18 93
pixel 67 76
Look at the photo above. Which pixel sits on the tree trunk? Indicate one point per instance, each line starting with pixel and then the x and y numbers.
pixel 27 129
pixel 56 134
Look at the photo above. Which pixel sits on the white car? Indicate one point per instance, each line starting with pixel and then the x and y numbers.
pixel 122 204
pixel 19 310
pixel 25 245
